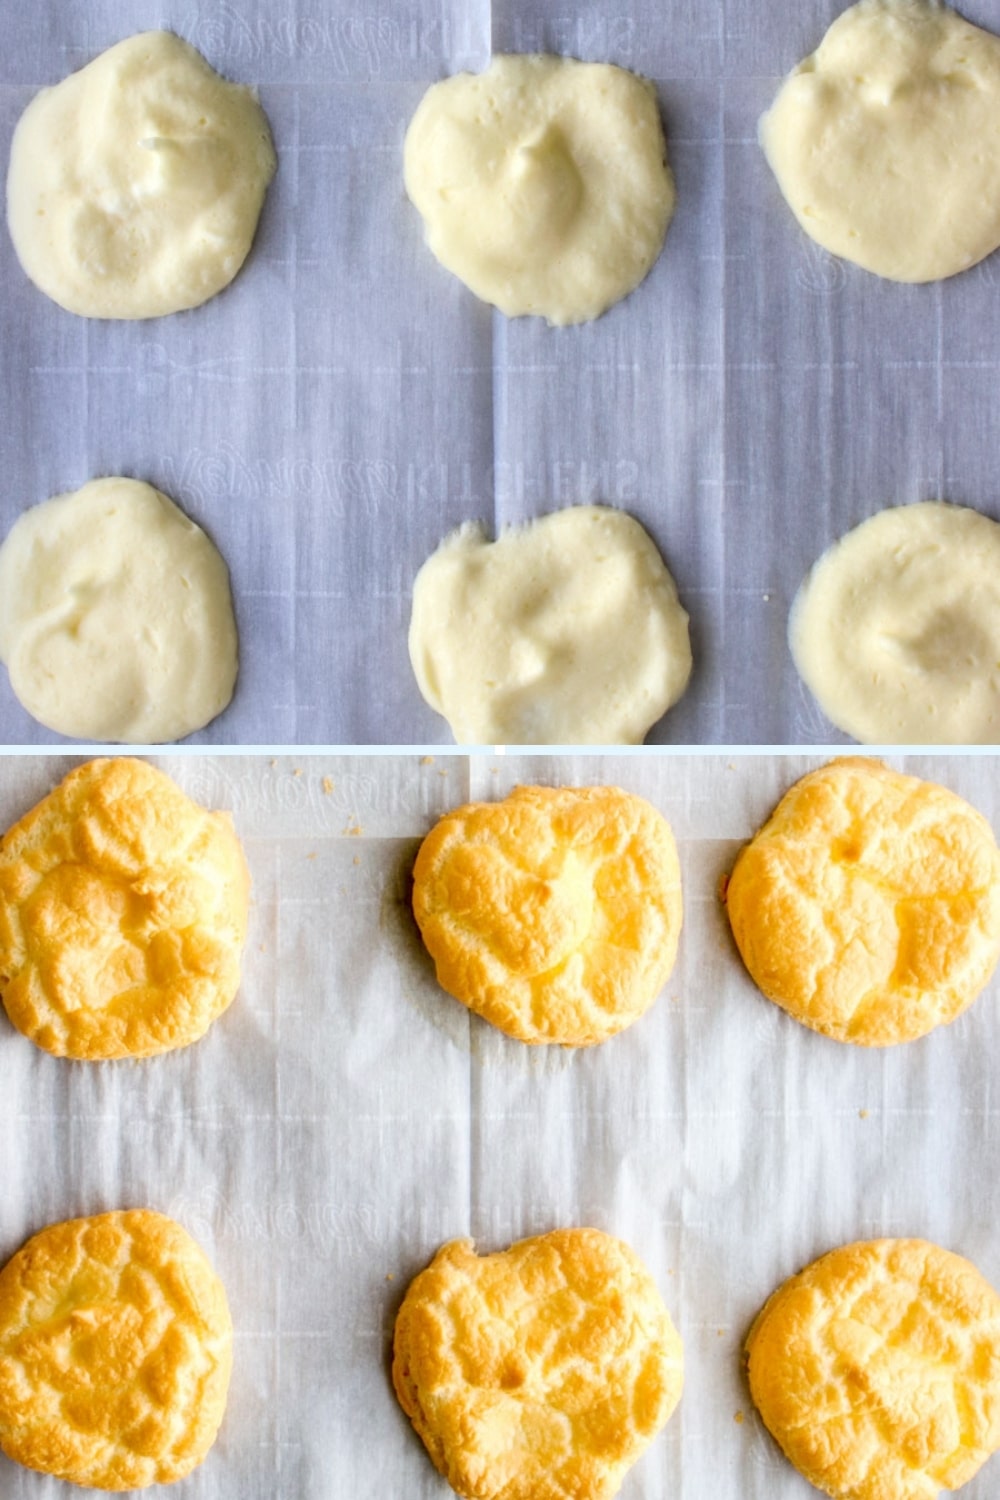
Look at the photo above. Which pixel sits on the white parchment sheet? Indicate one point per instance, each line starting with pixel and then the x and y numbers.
pixel 345 1117
pixel 346 403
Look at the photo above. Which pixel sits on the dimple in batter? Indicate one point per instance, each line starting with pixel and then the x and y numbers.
pixel 116 618
pixel 542 183
pixel 886 141
pixel 135 185
pixel 568 631
pixel 896 630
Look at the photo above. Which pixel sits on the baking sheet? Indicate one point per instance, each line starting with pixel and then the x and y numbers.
pixel 345 1117
pixel 346 403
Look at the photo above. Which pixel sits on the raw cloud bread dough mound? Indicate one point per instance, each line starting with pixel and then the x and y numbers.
pixel 123 912
pixel 541 1372
pixel 896 630
pixel 115 1352
pixel 135 185
pixel 877 1369
pixel 868 906
pixel 542 183
pixel 886 141
pixel 116 618
pixel 555 913
pixel 568 631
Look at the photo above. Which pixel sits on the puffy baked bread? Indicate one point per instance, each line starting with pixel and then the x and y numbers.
pixel 868 906
pixel 877 1369
pixel 115 1351
pixel 123 910
pixel 541 1372
pixel 554 913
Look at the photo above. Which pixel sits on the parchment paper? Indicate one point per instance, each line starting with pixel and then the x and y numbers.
pixel 345 1117
pixel 347 402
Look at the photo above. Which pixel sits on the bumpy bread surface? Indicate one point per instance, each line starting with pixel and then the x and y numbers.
pixel 868 906
pixel 115 1351
pixel 123 911
pixel 555 913
pixel 541 1372
pixel 877 1369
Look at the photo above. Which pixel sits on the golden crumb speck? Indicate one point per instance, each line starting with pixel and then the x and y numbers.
pixel 328 785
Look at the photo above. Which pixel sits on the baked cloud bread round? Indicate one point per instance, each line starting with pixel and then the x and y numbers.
pixel 115 1351
pixel 123 912
pixel 877 1370
pixel 135 184
pixel 541 1372
pixel 555 913
pixel 868 906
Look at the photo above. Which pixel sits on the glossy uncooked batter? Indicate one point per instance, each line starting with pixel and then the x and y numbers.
pixel 542 183
pixel 896 630
pixel 135 185
pixel 886 141
pixel 568 631
pixel 116 620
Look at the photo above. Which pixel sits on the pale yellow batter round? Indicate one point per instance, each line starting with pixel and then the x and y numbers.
pixel 542 183
pixel 116 618
pixel 135 185
pixel 896 630
pixel 567 631
pixel 886 141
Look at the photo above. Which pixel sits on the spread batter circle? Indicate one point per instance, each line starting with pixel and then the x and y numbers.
pixel 896 629
pixel 566 631
pixel 543 183
pixel 886 141
pixel 135 185
pixel 116 618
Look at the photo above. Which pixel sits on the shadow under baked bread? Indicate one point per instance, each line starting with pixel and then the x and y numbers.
pixel 419 988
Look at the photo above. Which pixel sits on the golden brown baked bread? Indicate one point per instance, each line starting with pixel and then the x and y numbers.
pixel 123 910
pixel 539 1373
pixel 555 913
pixel 877 1369
pixel 868 906
pixel 115 1351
